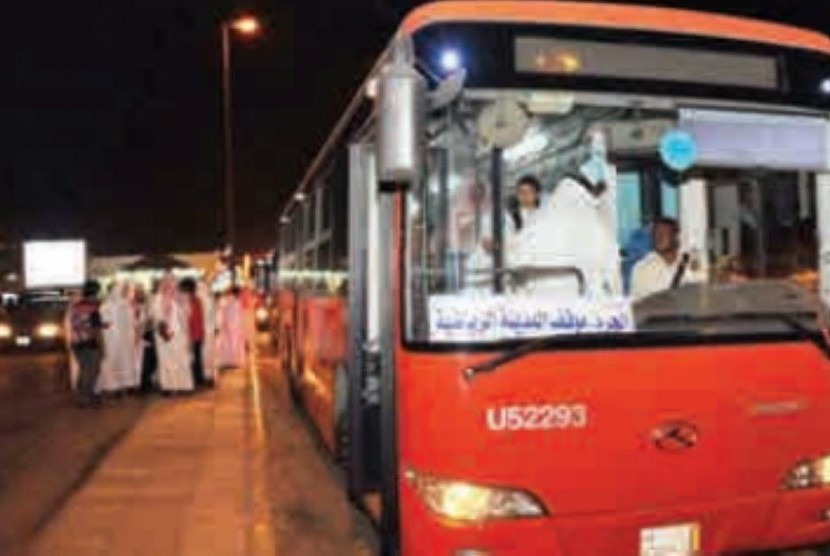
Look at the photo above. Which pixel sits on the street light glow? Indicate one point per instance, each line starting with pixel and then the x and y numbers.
pixel 246 25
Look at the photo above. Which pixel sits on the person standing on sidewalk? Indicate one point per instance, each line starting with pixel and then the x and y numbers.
pixel 209 344
pixel 172 339
pixel 87 341
pixel 196 328
pixel 231 345
pixel 74 370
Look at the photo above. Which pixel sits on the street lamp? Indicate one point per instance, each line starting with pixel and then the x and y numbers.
pixel 245 26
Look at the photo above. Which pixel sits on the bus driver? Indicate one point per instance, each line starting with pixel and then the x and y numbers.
pixel 664 267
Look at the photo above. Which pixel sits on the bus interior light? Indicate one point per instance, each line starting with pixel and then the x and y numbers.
pixel 462 501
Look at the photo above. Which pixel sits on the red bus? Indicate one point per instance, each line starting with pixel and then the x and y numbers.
pixel 557 283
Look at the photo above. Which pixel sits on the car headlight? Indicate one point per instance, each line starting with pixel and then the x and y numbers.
pixel 48 331
pixel 461 501
pixel 6 332
pixel 809 474
pixel 262 314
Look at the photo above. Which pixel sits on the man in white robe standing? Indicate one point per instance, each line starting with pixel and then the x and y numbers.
pixel 572 230
pixel 209 344
pixel 231 344
pixel 118 366
pixel 172 342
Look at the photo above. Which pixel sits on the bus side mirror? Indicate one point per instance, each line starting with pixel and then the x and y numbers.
pixel 401 104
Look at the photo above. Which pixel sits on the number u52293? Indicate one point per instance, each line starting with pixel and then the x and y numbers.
pixel 537 417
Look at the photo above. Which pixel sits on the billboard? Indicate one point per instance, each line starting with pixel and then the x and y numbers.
pixel 50 264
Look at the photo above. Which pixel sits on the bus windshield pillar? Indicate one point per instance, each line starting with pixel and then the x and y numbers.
pixel 823 212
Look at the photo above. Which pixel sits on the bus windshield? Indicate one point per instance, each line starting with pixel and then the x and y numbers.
pixel 549 213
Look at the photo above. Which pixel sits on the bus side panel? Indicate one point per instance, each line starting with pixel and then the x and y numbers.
pixel 323 341
pixel 286 334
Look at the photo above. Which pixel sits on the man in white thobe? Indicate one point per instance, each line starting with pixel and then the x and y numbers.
pixel 172 341
pixel 118 366
pixel 575 229
pixel 569 232
pixel 231 341
pixel 209 343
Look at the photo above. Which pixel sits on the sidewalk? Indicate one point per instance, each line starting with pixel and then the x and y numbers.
pixel 189 479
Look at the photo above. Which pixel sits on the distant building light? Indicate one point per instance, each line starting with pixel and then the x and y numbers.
pixel 299 196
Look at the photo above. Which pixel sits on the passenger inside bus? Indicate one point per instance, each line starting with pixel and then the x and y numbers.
pixel 522 209
pixel 571 249
pixel 751 230
pixel 665 267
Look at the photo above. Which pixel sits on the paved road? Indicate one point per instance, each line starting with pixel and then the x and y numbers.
pixel 47 445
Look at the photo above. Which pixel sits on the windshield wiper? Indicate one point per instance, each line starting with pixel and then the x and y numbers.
pixel 524 349
pixel 789 319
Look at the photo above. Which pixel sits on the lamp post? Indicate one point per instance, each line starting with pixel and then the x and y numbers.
pixel 247 26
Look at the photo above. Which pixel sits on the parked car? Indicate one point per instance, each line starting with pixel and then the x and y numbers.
pixel 33 321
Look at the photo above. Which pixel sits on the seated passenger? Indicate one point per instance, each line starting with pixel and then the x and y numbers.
pixel 664 267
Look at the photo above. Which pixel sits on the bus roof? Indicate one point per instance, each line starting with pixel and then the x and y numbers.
pixel 618 16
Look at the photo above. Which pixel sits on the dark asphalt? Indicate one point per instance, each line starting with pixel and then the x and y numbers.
pixel 47 445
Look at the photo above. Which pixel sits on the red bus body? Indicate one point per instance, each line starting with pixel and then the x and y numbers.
pixel 758 409
pixel 604 484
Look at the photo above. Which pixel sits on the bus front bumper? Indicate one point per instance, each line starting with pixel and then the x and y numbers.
pixel 772 522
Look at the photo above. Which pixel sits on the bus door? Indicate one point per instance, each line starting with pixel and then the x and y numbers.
pixel 362 400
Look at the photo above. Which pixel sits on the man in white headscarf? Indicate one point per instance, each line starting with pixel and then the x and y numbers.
pixel 574 229
pixel 231 342
pixel 118 366
pixel 169 314
pixel 209 342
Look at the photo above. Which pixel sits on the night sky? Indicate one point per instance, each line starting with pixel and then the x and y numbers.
pixel 111 122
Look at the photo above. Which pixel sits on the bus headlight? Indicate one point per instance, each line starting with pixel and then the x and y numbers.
pixel 809 474
pixel 5 332
pixel 461 501
pixel 48 331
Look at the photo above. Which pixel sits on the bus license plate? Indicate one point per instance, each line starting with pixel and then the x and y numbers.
pixel 670 540
pixel 23 341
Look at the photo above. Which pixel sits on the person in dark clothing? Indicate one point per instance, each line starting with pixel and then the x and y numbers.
pixel 149 360
pixel 196 329
pixel 87 342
